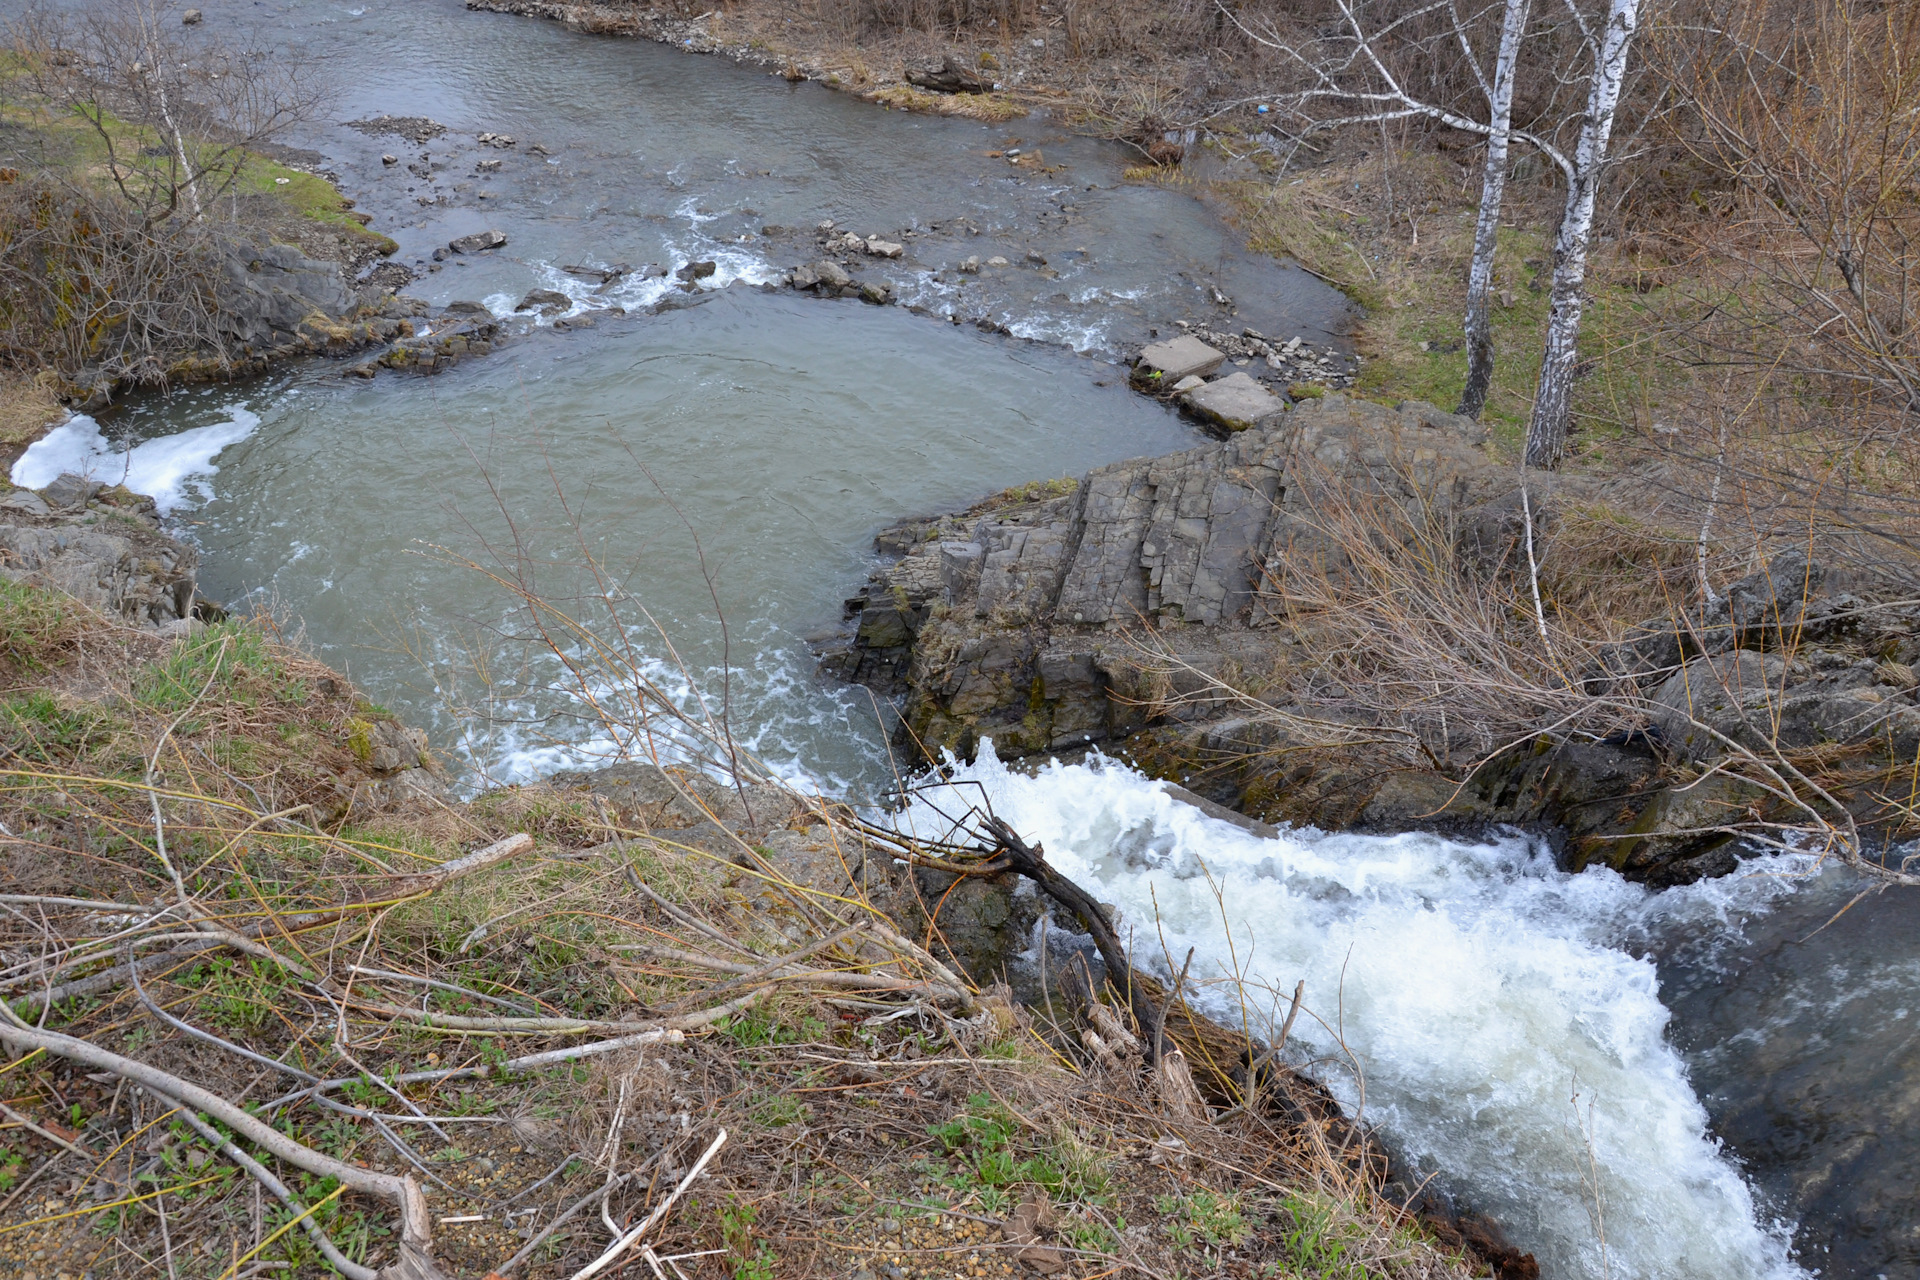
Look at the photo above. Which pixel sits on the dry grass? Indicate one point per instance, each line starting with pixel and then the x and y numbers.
pixel 199 807
pixel 993 108
pixel 27 408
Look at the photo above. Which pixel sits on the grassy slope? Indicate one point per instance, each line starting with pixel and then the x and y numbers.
pixel 1334 221
pixel 856 1142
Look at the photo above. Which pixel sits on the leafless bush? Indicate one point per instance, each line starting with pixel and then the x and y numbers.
pixel 109 251
pixel 87 284
pixel 1808 129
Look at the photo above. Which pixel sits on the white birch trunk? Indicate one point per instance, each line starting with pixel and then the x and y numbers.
pixel 1547 432
pixel 1486 232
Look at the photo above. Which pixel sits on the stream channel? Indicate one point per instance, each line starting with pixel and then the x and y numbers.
pixel 1684 1084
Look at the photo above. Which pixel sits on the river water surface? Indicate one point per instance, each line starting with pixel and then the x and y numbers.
pixel 1689 1084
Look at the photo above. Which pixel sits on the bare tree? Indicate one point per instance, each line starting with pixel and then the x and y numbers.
pixel 1547 431
pixel 1493 188
pixel 1353 75
pixel 180 117
pixel 112 270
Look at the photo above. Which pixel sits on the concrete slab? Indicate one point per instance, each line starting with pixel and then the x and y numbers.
pixel 1235 402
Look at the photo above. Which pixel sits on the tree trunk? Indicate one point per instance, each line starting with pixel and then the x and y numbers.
pixel 1486 232
pixel 1547 432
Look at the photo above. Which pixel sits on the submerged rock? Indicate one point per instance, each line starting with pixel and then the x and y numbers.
pixel 478 242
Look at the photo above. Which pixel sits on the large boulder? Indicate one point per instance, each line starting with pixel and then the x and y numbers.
pixel 267 291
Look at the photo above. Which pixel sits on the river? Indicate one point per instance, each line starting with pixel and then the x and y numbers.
pixel 1687 1084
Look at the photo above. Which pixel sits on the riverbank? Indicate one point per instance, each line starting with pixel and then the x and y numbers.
pixel 711 969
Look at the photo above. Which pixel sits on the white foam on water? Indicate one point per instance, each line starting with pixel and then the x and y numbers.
pixel 169 469
pixel 1506 1039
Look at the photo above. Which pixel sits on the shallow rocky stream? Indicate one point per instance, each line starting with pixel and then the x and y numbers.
pixel 1739 1093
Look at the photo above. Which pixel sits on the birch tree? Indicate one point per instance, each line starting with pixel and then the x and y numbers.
pixel 1493 188
pixel 1547 431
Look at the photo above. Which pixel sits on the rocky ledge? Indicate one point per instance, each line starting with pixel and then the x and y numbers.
pixel 1057 617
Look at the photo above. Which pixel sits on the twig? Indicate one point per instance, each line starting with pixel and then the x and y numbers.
pixel 632 1237
pixel 587 1201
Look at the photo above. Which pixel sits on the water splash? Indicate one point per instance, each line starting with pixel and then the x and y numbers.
pixel 1496 1030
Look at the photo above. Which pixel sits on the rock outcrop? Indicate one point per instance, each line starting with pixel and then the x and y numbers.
pixel 102 546
pixel 1011 620
pixel 1057 617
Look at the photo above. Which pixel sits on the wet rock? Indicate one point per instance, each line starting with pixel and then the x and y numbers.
pixel 830 274
pixel 696 271
pixel 951 76
pixel 415 129
pixel 494 140
pixel 389 159
pixel 191 18
pixel 547 302
pixel 997 261
pixel 1165 363
pixel 478 242
pixel 878 292
pixel 1234 403
pixel 878 248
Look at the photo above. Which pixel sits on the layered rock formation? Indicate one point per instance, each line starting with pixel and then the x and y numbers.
pixel 1098 612
pixel 101 546
pixel 1011 620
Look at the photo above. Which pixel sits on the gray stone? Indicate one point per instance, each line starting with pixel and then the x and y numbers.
pixel 191 18
pixel 1188 383
pixel 69 490
pixel 697 270
pixel 467 307
pixel 26 502
pixel 831 274
pixel 545 301
pixel 987 621
pixel 478 242
pixel 266 293
pixel 1183 357
pixel 117 563
pixel 877 248
pixel 1234 403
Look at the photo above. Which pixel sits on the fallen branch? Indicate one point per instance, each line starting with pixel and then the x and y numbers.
pixel 416 1231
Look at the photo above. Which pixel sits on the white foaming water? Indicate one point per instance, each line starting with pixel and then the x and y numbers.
pixel 170 470
pixel 1504 1040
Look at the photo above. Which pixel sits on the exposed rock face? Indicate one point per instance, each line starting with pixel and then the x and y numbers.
pixel 101 546
pixel 1022 620
pixel 268 291
pixel 1009 620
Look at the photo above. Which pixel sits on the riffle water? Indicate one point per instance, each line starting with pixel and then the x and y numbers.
pixel 1478 1006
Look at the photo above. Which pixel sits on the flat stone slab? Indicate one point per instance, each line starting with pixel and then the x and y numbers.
pixel 1177 358
pixel 1236 402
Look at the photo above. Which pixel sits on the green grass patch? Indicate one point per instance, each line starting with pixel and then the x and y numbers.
pixel 37 726
pixel 220 662
pixel 35 625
